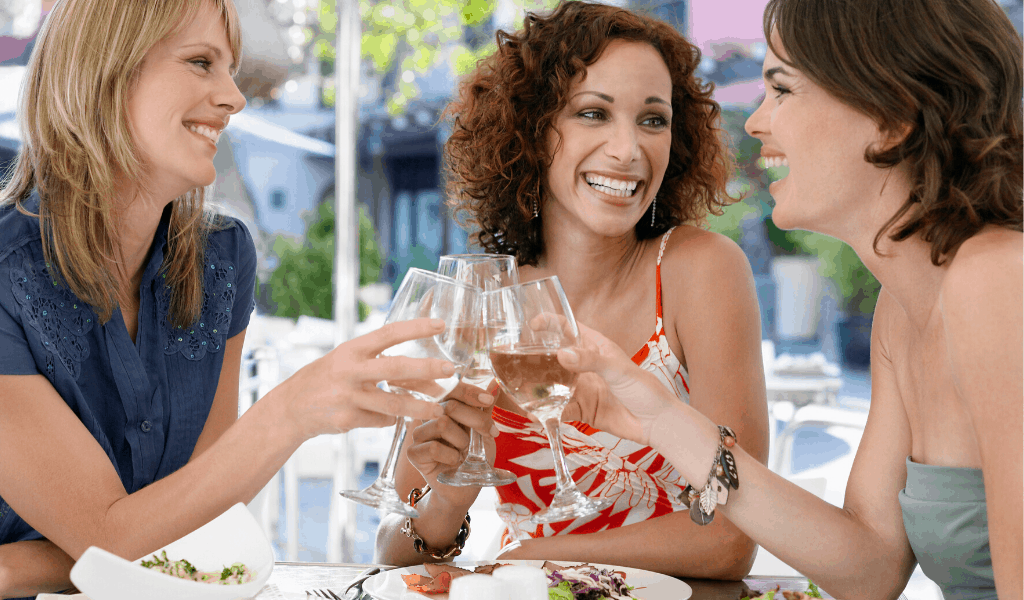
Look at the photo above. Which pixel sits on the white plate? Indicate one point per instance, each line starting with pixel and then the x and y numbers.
pixel 235 536
pixel 649 585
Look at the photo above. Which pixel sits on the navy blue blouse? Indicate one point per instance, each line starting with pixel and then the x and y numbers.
pixel 145 402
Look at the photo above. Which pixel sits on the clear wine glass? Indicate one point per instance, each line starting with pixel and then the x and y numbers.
pixel 487 272
pixel 425 294
pixel 527 324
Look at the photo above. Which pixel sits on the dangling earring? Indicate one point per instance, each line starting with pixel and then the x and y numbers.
pixel 536 211
pixel 654 207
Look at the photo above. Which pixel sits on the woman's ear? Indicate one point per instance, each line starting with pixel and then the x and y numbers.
pixel 894 136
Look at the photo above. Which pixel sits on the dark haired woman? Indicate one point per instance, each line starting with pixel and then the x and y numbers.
pixel 585 147
pixel 901 124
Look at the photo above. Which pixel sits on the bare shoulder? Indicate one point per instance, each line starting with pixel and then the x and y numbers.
pixel 697 253
pixel 986 273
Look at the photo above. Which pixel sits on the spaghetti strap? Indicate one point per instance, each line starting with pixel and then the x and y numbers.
pixel 661 252
pixel 657 271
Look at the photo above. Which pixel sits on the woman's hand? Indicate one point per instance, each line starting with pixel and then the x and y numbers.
pixel 440 444
pixel 613 393
pixel 339 392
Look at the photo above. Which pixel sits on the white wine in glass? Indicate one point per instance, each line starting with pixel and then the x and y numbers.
pixel 487 272
pixel 532 321
pixel 424 294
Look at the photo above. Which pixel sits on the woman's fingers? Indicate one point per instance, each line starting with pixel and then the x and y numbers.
pixel 443 429
pixel 471 395
pixel 470 417
pixel 392 334
pixel 396 404
pixel 390 368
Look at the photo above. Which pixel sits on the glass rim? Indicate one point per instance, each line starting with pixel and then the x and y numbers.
pixel 443 278
pixel 523 284
pixel 474 257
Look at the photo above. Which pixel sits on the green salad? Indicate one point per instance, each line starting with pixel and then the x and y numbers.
pixel 235 574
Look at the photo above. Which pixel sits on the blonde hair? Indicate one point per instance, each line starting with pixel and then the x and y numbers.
pixel 77 139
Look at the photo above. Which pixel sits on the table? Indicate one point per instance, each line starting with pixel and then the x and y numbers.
pixel 292 579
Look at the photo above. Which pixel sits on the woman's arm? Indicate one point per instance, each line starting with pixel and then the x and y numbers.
pixel 69 491
pixel 224 411
pixel 437 446
pixel 33 567
pixel 835 547
pixel 981 308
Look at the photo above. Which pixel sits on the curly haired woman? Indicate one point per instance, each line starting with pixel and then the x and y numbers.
pixel 585 147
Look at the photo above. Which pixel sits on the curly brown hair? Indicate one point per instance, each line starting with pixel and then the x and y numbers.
pixel 497 155
pixel 947 76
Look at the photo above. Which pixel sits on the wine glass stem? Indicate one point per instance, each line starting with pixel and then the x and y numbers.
pixel 388 474
pixel 551 423
pixel 476 446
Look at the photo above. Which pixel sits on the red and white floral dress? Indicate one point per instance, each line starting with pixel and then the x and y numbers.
pixel 641 481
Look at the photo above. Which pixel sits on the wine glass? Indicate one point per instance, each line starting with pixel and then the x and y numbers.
pixel 487 272
pixel 424 294
pixel 527 324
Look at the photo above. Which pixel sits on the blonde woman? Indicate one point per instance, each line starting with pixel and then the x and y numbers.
pixel 124 303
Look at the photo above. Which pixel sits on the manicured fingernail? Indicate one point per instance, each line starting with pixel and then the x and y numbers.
pixel 569 357
pixel 438 411
pixel 437 323
pixel 494 431
pixel 486 398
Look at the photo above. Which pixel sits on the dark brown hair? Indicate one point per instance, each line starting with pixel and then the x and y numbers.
pixel 497 155
pixel 943 75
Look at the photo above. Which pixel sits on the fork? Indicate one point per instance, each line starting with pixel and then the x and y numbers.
pixel 322 594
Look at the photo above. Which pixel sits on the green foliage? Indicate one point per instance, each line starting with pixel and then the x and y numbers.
pixel 302 282
pixel 730 223
pixel 412 36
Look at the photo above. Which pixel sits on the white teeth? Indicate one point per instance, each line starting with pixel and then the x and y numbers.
pixel 774 161
pixel 613 187
pixel 211 134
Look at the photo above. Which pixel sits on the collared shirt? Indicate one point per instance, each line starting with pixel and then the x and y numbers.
pixel 145 402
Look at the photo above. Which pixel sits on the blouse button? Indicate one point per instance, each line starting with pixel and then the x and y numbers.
pixel 146 426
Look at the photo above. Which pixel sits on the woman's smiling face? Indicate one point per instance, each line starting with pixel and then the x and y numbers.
pixel 612 140
pixel 181 102
pixel 823 142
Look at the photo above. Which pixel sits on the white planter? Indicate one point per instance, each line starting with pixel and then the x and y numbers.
pixel 798 293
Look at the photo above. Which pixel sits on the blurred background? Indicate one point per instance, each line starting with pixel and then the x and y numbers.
pixel 283 171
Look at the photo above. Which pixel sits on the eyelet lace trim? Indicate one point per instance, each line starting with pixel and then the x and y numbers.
pixel 208 335
pixel 61 319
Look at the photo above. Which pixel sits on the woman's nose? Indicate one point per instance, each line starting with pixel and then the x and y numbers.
pixel 229 96
pixel 624 144
pixel 757 123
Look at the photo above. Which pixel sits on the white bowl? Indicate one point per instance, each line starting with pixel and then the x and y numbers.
pixel 235 536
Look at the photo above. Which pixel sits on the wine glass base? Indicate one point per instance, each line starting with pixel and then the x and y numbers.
pixel 476 473
pixel 570 504
pixel 383 497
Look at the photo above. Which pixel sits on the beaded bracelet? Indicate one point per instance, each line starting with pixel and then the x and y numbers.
pixel 417 542
pixel 723 476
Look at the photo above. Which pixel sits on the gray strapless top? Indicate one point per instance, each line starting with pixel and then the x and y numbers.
pixel 944 515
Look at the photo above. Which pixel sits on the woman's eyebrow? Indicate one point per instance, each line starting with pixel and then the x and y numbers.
pixel 610 100
pixel 772 72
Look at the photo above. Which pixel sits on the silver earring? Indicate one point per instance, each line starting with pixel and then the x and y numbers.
pixel 536 211
pixel 654 207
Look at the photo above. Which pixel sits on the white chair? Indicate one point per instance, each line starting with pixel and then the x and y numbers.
pixel 834 420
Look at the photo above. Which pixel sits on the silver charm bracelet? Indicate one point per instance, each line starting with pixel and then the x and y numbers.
pixel 721 478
